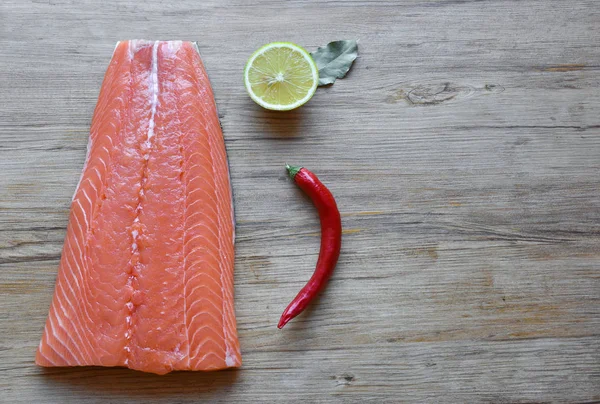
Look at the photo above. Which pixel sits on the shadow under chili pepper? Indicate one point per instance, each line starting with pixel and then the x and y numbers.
pixel 306 319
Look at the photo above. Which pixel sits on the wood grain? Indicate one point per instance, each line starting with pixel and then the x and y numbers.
pixel 464 151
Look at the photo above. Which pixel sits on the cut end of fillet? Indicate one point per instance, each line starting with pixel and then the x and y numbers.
pixel 146 273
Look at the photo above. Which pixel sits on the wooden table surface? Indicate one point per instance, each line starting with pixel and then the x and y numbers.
pixel 464 152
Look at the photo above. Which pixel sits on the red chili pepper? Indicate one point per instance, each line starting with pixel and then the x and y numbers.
pixel 331 240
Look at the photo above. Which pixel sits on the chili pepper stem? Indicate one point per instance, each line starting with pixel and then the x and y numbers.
pixel 292 170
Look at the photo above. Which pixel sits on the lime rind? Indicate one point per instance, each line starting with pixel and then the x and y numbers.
pixel 278 107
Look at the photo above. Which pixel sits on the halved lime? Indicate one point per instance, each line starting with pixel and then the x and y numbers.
pixel 281 76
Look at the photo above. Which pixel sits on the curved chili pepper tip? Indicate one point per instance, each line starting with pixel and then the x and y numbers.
pixel 282 322
pixel 292 170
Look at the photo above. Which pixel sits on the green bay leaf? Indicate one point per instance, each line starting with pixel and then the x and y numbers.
pixel 334 60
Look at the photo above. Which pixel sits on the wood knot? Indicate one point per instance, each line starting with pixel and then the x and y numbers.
pixel 493 88
pixel 433 94
pixel 344 379
pixel 427 94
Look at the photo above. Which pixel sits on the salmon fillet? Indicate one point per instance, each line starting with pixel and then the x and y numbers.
pixel 146 274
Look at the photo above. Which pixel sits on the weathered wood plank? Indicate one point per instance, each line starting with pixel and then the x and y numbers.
pixel 515 371
pixel 463 149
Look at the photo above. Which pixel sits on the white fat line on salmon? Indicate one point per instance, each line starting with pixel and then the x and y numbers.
pixel 174 46
pixel 85 164
pixel 135 233
pixel 154 98
pixel 153 103
pixel 229 360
